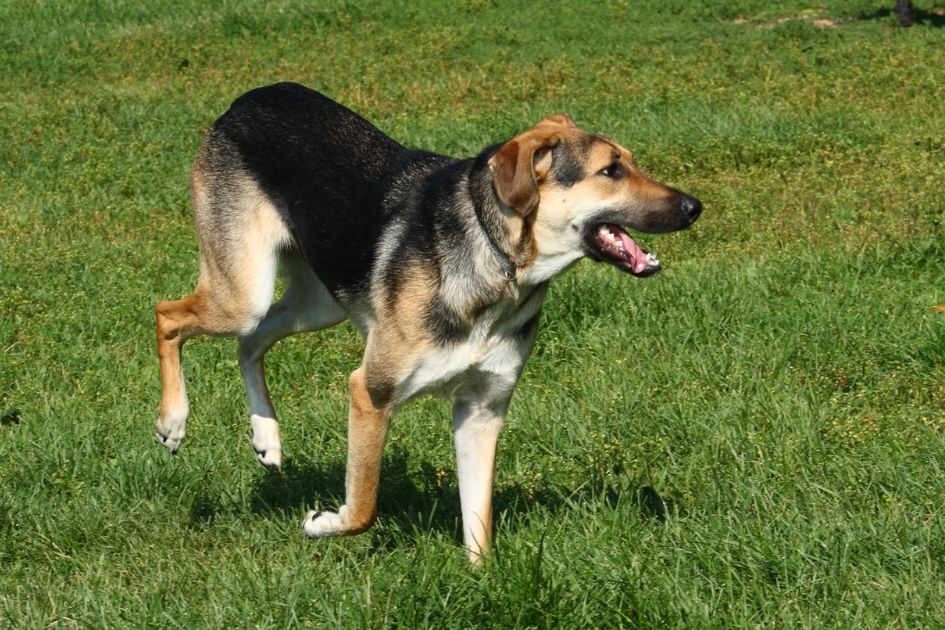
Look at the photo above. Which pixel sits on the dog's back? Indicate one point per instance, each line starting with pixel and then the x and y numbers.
pixel 324 168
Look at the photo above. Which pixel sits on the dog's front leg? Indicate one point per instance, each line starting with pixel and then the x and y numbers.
pixel 476 431
pixel 367 431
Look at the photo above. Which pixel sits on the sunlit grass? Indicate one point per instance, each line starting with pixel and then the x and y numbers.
pixel 752 438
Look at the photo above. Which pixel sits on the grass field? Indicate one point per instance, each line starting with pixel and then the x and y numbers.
pixel 754 438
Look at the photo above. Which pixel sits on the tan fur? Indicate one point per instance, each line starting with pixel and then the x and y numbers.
pixel 637 188
pixel 562 207
pixel 367 431
pixel 515 166
pixel 405 317
pixel 233 293
pixel 398 336
pixel 559 120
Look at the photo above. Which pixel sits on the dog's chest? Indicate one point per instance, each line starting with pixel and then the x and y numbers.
pixel 487 361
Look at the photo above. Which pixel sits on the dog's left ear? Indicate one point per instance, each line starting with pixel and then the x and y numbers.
pixel 516 170
pixel 524 161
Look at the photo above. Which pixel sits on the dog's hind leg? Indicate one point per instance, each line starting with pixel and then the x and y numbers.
pixel 202 312
pixel 306 305
pixel 240 235
pixel 176 321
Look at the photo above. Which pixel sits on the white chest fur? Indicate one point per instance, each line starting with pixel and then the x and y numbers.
pixel 486 362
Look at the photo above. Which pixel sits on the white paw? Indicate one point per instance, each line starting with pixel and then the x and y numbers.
pixel 266 441
pixel 170 430
pixel 321 524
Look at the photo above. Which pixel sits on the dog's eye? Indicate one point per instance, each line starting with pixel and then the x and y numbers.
pixel 614 171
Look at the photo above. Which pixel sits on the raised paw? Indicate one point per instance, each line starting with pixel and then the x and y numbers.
pixel 266 441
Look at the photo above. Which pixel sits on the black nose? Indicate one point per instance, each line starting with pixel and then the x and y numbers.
pixel 691 207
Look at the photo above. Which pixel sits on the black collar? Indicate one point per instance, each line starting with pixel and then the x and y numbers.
pixel 480 192
pixel 507 264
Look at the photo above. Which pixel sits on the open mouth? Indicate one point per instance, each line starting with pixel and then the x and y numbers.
pixel 612 244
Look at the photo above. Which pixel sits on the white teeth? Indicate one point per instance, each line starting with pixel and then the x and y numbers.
pixel 651 259
pixel 607 235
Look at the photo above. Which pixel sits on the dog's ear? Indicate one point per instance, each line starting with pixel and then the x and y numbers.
pixel 520 164
pixel 561 120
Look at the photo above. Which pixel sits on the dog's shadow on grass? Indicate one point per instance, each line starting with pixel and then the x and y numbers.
pixel 420 502
pixel 409 500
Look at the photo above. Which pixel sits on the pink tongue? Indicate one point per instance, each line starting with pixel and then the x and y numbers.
pixel 637 255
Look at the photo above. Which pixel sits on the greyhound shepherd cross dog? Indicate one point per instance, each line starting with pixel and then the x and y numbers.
pixel 441 263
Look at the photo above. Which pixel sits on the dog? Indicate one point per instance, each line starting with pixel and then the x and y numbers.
pixel 441 263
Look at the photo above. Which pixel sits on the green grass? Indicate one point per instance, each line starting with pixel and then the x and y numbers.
pixel 755 438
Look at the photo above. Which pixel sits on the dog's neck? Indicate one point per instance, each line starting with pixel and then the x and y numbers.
pixel 509 268
pixel 505 231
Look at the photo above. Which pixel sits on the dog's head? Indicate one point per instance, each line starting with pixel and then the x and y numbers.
pixel 578 191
